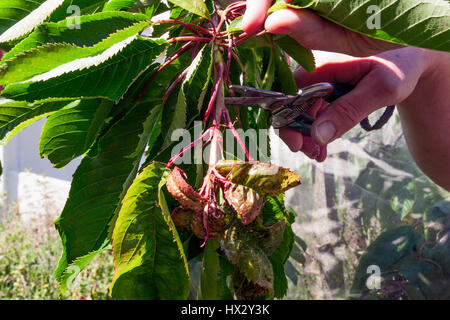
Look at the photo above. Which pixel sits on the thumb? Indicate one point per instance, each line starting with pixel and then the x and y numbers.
pixel 343 114
pixel 255 15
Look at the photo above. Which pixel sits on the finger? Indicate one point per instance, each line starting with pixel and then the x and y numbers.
pixel 297 142
pixel 255 15
pixel 313 150
pixel 316 33
pixel 292 138
pixel 349 71
pixel 374 91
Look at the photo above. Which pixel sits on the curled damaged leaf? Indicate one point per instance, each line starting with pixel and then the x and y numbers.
pixel 253 273
pixel 247 290
pixel 245 201
pixel 185 219
pixel 183 192
pixel 234 243
pixel 182 218
pixel 215 224
pixel 238 238
pixel 253 276
pixel 265 178
pixel 225 166
pixel 272 236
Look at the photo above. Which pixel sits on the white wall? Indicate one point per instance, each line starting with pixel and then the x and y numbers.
pixel 33 181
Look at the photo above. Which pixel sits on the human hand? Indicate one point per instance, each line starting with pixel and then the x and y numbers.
pixel 416 80
pixel 310 30
pixel 314 32
pixel 382 80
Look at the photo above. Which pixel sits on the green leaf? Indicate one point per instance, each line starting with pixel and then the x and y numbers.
pixel 197 80
pixel 407 22
pixel 389 248
pixel 174 115
pixel 12 11
pixel 70 132
pixel 195 6
pixel 93 29
pixel 235 25
pixel 13 113
pixel 118 5
pixel 284 78
pixel 213 285
pixel 269 76
pixel 278 259
pixel 8 11
pixel 154 7
pixel 185 102
pixel 107 75
pixel 83 7
pixel 148 263
pixel 296 4
pixel 302 55
pixel 49 56
pixel 276 211
pixel 98 185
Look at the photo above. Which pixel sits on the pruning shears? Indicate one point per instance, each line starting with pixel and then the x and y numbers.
pixel 289 111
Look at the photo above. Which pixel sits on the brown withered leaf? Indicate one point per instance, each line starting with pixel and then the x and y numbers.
pixel 234 242
pixel 270 237
pixel 182 218
pixel 265 178
pixel 183 192
pixel 245 289
pixel 225 166
pixel 245 201
pixel 216 225
pixel 253 276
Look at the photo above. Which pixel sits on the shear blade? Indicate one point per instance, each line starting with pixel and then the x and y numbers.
pixel 254 92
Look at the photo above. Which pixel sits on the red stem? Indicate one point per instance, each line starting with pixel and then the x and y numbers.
pixel 174 84
pixel 230 53
pixel 227 75
pixel 189 38
pixel 248 37
pixel 235 134
pixel 175 56
pixel 218 82
pixel 190 146
pixel 190 26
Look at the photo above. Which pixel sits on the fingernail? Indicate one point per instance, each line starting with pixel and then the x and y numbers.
pixel 325 132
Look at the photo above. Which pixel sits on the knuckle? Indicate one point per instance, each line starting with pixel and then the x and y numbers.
pixel 390 89
pixel 348 111
pixel 388 85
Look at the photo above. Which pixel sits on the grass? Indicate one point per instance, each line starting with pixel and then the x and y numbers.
pixel 29 253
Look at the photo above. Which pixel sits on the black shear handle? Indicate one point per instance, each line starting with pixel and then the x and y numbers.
pixel 304 122
pixel 340 89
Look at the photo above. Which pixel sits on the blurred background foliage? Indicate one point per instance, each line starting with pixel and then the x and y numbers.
pixel 368 186
pixel 29 252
